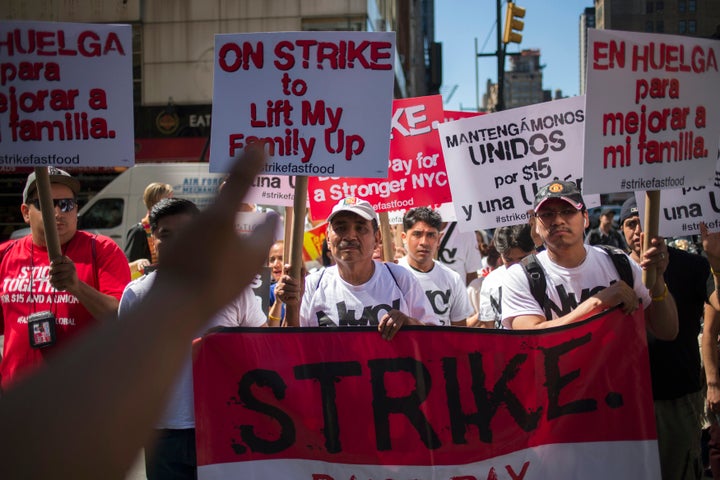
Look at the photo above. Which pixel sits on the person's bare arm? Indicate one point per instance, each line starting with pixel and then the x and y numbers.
pixel 95 405
pixel 616 294
pixel 711 247
pixel 709 346
pixel 63 277
pixel 391 323
pixel 462 322
pixel 661 317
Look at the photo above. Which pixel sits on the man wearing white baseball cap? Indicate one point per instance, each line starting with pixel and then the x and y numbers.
pixel 357 290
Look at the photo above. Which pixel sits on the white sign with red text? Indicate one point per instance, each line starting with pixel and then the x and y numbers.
pixel 320 102
pixel 682 209
pixel 653 112
pixel 66 95
pixel 496 163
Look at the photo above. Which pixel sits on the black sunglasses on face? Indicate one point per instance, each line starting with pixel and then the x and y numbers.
pixel 66 204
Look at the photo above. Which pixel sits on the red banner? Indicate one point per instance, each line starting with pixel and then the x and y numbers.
pixel 416 170
pixel 434 403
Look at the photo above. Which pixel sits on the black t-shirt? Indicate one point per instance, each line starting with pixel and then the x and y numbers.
pixel 136 244
pixel 675 365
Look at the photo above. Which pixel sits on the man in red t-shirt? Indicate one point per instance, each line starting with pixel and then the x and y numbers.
pixel 82 285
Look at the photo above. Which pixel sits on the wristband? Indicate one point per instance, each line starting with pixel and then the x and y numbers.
pixel 273 318
pixel 662 296
pixel 715 274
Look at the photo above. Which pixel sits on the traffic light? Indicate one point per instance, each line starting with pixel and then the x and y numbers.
pixel 512 24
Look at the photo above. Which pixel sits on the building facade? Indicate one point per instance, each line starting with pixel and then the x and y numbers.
pixel 173 60
pixel 522 83
pixel 699 18
pixel 587 20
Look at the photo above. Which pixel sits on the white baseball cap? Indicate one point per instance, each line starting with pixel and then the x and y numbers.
pixel 355 205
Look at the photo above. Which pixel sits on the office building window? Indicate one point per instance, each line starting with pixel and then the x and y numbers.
pixel 681 27
pixel 660 7
pixel 692 5
pixel 353 24
pixel 691 26
pixel 660 26
pixel 681 6
pixel 648 25
pixel 649 7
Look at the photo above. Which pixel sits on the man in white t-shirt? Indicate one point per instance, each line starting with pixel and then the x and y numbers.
pixel 444 288
pixel 459 251
pixel 357 290
pixel 513 244
pixel 582 280
pixel 172 454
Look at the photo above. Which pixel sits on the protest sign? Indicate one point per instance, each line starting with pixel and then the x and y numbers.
pixel 496 163
pixel 312 242
pixel 278 190
pixel 682 209
pixel 344 403
pixel 320 102
pixel 66 95
pixel 416 168
pixel 653 113
pixel 247 222
pixel 452 115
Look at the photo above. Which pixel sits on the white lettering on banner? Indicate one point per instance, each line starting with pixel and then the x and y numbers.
pixel 413 121
pixel 382 189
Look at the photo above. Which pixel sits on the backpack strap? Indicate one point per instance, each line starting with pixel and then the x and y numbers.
pixel 393 276
pixel 621 262
pixel 322 272
pixel 536 275
pixel 536 278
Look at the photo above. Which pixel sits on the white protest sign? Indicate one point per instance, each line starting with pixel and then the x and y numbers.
pixel 247 222
pixel 682 209
pixel 278 190
pixel 496 163
pixel 66 95
pixel 321 102
pixel 653 112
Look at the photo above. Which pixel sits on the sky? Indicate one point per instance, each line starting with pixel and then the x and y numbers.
pixel 551 26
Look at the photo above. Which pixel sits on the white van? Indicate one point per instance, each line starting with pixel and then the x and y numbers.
pixel 119 206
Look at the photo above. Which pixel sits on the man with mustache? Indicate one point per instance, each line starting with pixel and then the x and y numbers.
pixel 66 295
pixel 582 280
pixel 357 290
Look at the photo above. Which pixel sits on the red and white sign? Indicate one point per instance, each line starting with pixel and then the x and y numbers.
pixel 416 175
pixel 320 102
pixel 66 95
pixel 433 403
pixel 653 112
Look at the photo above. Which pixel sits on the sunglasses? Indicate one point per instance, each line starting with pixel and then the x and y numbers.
pixel 66 204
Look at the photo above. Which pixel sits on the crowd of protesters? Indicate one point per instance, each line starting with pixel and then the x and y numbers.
pixel 444 277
